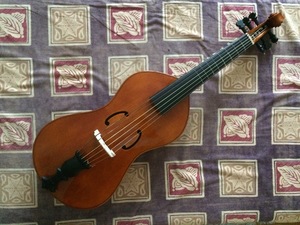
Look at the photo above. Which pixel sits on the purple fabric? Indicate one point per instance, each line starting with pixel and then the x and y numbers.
pixel 237 160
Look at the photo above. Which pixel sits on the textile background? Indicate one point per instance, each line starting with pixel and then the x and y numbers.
pixel 238 159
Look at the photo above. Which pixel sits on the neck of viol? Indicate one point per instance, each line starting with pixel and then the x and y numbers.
pixel 169 96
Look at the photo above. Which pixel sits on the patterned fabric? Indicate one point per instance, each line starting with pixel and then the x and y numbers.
pixel 238 159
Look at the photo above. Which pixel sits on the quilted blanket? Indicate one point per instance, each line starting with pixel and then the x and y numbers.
pixel 238 159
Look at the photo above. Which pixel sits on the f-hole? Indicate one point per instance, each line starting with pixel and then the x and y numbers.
pixel 139 132
pixel 115 114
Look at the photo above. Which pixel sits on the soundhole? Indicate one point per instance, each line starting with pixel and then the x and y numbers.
pixel 139 133
pixel 115 117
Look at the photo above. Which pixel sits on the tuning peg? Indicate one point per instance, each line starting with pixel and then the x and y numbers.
pixel 241 25
pixel 264 43
pixel 247 21
pixel 261 43
pixel 253 17
pixel 272 36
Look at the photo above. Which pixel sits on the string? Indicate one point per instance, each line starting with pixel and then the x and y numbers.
pixel 119 124
pixel 154 119
pixel 165 103
pixel 111 129
pixel 158 115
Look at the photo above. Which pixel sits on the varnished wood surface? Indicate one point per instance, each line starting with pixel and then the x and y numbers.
pixel 59 140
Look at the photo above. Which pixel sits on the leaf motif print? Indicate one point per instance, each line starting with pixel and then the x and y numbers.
pixel 25 125
pixel 232 17
pixel 128 22
pixel 237 125
pixel 15 133
pixel 290 74
pixel 185 178
pixel 11 24
pixel 72 76
pixel 283 183
pixel 290 175
pixel 181 68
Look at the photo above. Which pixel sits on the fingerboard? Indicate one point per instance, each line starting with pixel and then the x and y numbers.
pixel 171 95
